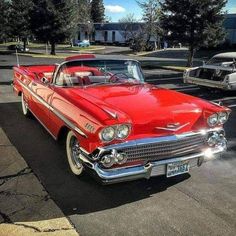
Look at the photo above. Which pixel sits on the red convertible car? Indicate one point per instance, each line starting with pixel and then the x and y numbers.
pixel 116 126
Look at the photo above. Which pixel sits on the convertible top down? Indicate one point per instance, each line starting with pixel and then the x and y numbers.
pixel 116 126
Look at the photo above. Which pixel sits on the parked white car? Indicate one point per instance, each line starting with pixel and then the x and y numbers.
pixel 219 72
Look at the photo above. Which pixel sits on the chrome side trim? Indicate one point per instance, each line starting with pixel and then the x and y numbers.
pixel 35 95
pixel 83 150
pixel 56 112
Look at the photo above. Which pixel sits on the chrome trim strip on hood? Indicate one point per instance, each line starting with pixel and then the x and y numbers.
pixel 174 128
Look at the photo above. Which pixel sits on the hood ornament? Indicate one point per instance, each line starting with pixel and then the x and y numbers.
pixel 173 126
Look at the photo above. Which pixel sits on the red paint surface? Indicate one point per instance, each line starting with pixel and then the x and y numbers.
pixel 144 106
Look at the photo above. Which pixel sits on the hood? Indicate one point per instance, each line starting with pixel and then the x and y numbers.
pixel 150 109
pixel 215 67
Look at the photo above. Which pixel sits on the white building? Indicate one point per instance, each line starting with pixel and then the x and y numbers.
pixel 116 33
pixel 230 26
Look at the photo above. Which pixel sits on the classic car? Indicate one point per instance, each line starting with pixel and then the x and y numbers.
pixel 219 72
pixel 82 44
pixel 116 126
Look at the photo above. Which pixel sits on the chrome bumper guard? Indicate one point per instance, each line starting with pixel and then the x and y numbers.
pixel 152 167
pixel 155 168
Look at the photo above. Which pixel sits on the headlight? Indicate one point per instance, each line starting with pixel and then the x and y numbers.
pixel 121 158
pixel 122 131
pixel 107 134
pixel 108 161
pixel 223 117
pixel 213 139
pixel 212 120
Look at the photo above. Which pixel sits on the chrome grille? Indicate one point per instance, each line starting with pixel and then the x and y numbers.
pixel 165 150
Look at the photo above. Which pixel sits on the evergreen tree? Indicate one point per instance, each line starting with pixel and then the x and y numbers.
pixel 4 16
pixel 194 22
pixel 19 25
pixel 97 11
pixel 54 20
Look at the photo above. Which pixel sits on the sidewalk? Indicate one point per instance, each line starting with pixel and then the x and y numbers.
pixel 25 206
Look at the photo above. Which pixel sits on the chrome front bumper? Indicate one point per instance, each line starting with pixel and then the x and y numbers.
pixel 153 168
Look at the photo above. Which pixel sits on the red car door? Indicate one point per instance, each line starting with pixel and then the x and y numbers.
pixel 41 102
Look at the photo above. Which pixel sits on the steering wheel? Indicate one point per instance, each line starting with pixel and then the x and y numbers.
pixel 119 76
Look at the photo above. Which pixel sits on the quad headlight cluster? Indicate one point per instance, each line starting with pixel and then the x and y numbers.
pixel 115 132
pixel 217 118
pixel 113 158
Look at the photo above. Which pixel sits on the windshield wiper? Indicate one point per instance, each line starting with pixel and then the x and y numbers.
pixel 99 83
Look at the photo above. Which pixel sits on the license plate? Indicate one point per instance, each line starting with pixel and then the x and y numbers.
pixel 177 168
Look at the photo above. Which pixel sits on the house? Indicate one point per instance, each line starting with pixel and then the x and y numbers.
pixel 230 26
pixel 110 33
pixel 120 33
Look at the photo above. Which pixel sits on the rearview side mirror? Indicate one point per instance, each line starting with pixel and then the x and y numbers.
pixel 45 80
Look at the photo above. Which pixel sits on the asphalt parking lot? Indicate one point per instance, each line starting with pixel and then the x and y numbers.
pixel 202 202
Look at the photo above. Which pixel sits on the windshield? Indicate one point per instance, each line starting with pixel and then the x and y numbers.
pixel 95 72
pixel 222 61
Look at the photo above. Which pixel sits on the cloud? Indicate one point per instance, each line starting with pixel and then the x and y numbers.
pixel 232 10
pixel 114 8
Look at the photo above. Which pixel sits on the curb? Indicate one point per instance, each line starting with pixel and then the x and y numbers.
pixel 144 53
pixel 43 56
pixel 89 50
pixel 175 68
pixel 26 208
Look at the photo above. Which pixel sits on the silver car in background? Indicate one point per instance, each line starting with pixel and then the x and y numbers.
pixel 219 72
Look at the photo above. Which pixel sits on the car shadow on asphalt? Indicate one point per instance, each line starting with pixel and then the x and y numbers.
pixel 72 194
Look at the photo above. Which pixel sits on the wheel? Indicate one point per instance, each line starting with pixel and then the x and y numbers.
pixel 24 105
pixel 73 152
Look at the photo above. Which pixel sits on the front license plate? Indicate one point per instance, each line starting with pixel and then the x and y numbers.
pixel 177 168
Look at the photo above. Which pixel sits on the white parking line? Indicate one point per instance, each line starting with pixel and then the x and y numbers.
pixel 230 106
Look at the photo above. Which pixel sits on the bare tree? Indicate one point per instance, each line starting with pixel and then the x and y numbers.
pixel 131 30
pixel 151 16
pixel 128 30
pixel 84 17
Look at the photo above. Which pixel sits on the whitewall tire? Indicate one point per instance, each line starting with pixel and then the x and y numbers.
pixel 73 152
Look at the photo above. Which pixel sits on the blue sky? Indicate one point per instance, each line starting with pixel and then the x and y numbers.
pixel 116 9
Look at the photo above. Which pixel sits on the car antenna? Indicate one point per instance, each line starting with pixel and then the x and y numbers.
pixel 17 59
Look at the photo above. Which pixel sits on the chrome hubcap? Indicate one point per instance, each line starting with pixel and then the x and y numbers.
pixel 75 152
